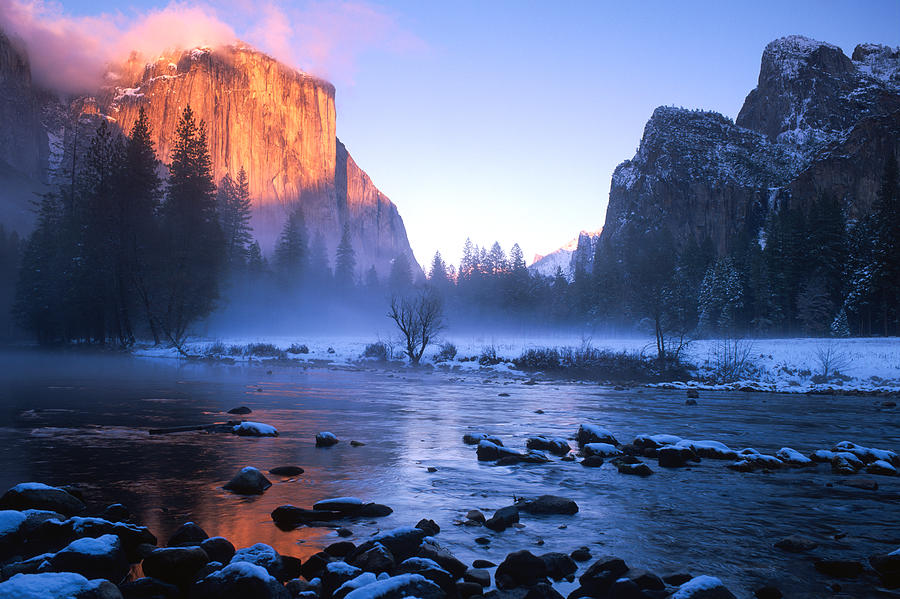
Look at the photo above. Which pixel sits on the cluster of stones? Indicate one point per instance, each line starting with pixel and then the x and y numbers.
pixel 596 445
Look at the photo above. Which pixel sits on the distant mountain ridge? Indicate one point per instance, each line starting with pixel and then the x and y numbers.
pixel 564 257
pixel 276 122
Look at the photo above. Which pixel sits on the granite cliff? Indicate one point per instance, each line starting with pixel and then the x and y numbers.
pixel 276 122
pixel 818 122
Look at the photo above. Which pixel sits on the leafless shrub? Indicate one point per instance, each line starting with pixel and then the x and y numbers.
pixel 730 359
pixel 419 317
pixel 831 359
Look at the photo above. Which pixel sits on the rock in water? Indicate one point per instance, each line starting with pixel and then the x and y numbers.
pixel 249 481
pixel 241 411
pixel 548 504
pixel 703 587
pixel 520 569
pixel 503 518
pixel 592 433
pixel 326 439
pixel 38 496
pixel 187 534
pixel 255 429
pixel 58 584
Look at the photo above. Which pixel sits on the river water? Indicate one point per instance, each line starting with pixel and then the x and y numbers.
pixel 77 419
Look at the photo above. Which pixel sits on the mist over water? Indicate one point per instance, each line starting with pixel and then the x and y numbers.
pixel 83 419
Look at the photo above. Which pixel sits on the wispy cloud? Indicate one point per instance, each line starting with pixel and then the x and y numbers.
pixel 71 53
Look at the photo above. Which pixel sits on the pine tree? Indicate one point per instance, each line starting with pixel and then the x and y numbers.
pixel 234 206
pixel 437 275
pixel 256 263
pixel 292 253
pixel 372 282
pixel 400 278
pixel 497 260
pixel 345 261
pixel 140 194
pixel 194 241
pixel 318 269
pixel 886 267
pixel 840 327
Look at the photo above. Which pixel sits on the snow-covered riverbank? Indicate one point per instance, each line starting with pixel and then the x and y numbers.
pixel 804 365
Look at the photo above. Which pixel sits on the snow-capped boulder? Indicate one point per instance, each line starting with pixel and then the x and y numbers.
pixel 376 559
pixel 430 570
pixel 249 481
pixel 593 433
pixel 326 439
pixel 868 454
pixel 654 441
pixel 489 452
pixel 792 457
pixel 261 555
pixel 604 450
pixel 882 468
pixel 364 579
pixel 750 460
pixel 345 505
pixel 845 462
pixel 713 450
pixel 703 587
pixel 239 580
pixel 394 587
pixel 434 551
pixel 254 429
pixel 102 557
pixel 38 496
pixel 57 585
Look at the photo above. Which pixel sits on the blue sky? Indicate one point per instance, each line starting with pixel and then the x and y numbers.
pixel 503 120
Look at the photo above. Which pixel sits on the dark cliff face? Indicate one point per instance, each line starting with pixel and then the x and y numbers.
pixel 276 122
pixel 818 122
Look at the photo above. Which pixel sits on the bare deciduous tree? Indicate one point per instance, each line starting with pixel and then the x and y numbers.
pixel 419 317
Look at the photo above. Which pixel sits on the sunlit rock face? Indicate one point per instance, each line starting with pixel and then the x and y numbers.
pixel 817 123
pixel 278 123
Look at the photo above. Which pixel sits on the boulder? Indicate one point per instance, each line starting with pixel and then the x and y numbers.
pixel 796 544
pixel 559 565
pixel 839 568
pixel 375 510
pixel 403 543
pixel 792 457
pixel 475 516
pixel 555 445
pixel 240 411
pixel 316 566
pixel 434 551
pixel 116 513
pixel 639 469
pixel 703 587
pixel 376 559
pixel 888 568
pixel 188 534
pixel 68 585
pixel 604 450
pixel 345 505
pixel 254 429
pixel 466 590
pixel 102 557
pixel 249 481
pixel 366 578
pixel 592 433
pixel 599 576
pixel 287 517
pixel 489 452
pixel 430 570
pixel 593 461
pixel 326 439
pixel 340 549
pixel 520 569
pixel 264 556
pixel 175 565
pixel 582 554
pixel 548 504
pixel 239 580
pixel 334 575
pixel 430 527
pixel 397 587
pixel 645 580
pixel 881 468
pixel 218 549
pixel 149 588
pixel 672 457
pixel 476 438
pixel 478 576
pixel 38 496
pixel 503 518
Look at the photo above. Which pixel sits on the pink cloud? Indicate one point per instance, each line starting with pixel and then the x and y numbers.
pixel 70 54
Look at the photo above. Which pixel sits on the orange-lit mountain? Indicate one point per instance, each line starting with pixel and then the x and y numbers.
pixel 276 122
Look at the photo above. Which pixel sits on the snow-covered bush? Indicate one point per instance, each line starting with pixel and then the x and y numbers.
pixel 446 353
pixel 298 349
pixel 378 351
pixel 488 356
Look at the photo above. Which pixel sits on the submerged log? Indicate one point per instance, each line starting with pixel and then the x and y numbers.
pixel 215 427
